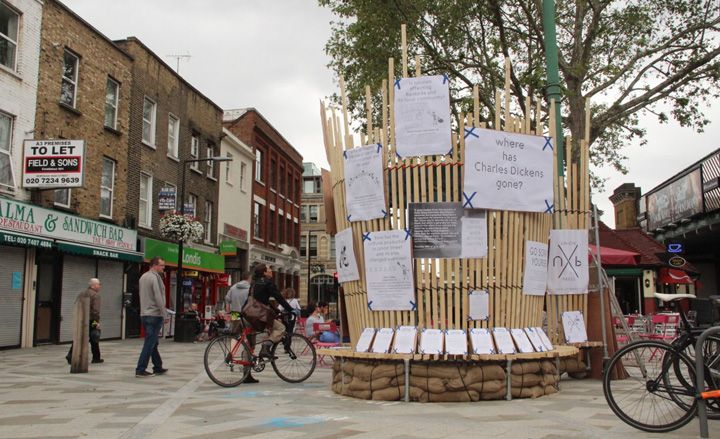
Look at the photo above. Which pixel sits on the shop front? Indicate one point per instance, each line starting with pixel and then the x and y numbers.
pixel 48 257
pixel 203 274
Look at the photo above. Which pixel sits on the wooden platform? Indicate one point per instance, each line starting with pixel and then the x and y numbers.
pixel 559 352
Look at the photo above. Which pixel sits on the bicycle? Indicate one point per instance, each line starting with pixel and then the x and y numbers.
pixel 658 391
pixel 229 358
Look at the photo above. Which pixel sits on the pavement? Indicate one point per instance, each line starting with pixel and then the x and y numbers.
pixel 40 398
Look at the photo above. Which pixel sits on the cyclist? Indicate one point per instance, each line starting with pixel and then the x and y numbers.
pixel 262 290
pixel 235 299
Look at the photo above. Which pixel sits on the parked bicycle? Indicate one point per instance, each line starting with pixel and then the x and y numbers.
pixel 229 359
pixel 650 384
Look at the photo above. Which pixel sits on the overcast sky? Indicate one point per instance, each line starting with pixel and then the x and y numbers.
pixel 270 55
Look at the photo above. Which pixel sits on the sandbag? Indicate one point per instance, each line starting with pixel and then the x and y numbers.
pixel 493 372
pixel 548 367
pixel 458 396
pixel 549 380
pixel 527 392
pixel 526 380
pixel 360 384
pixel 549 390
pixel 488 386
pixel 359 394
pixel 433 385
pixel 525 367
pixel 388 394
pixel 491 396
pixel 348 367
pixel 438 370
pixel 373 371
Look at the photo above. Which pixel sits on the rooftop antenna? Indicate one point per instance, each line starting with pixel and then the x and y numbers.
pixel 178 57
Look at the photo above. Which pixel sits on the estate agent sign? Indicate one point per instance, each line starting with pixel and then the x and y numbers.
pixel 51 164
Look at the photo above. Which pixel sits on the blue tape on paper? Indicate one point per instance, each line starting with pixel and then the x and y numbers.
pixel 548 143
pixel 345 154
pixel 548 207
pixel 413 305
pixel 379 147
pixel 446 78
pixel 397 83
pixel 366 237
pixel 468 200
pixel 471 132
pixel 407 234
pixel 370 305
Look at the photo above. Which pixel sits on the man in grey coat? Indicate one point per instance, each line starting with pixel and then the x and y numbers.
pixel 235 299
pixel 152 315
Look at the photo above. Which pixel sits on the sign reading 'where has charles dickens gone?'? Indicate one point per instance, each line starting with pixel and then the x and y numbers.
pixel 28 219
pixel 53 163
pixel 507 171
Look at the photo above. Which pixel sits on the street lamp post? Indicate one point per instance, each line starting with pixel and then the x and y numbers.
pixel 179 281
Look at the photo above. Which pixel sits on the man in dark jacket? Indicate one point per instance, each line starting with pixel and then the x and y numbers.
pixel 93 294
pixel 263 290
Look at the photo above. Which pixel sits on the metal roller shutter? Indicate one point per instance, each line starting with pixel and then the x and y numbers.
pixel 111 276
pixel 77 272
pixel 12 260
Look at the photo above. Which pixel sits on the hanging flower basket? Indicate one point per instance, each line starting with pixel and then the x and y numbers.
pixel 177 227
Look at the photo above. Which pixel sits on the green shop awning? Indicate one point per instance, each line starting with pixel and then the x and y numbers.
pixel 99 252
pixel 24 240
pixel 192 259
pixel 617 272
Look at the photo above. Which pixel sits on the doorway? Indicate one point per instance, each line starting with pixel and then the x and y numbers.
pixel 47 303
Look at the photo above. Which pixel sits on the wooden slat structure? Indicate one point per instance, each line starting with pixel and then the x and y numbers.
pixel 442 285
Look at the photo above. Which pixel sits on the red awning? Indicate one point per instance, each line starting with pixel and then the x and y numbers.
pixel 615 256
pixel 674 276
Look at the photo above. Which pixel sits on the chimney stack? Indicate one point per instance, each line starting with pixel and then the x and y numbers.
pixel 625 200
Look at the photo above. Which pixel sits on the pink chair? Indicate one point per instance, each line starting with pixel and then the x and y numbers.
pixel 317 329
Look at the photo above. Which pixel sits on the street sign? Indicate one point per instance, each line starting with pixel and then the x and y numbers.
pixel 166 198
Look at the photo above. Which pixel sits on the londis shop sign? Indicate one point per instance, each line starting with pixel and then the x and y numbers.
pixel 192 258
pixel 33 220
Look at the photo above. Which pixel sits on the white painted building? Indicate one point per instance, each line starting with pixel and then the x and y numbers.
pixel 235 201
pixel 20 22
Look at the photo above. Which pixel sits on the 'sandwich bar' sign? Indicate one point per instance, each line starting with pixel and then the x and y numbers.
pixel 25 218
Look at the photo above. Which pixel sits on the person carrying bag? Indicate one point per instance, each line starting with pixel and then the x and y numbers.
pixel 258 312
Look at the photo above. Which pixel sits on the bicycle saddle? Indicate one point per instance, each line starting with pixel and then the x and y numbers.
pixel 671 297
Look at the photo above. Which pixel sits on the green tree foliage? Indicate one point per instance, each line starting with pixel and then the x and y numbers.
pixel 629 57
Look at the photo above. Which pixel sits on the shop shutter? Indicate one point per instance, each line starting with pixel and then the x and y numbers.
pixel 77 272
pixel 12 261
pixel 111 276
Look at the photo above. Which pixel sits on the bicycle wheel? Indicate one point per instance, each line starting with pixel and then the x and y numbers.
pixel 295 361
pixel 711 354
pixel 648 398
pixel 223 368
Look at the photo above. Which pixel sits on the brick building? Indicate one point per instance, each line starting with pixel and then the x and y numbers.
pixel 77 233
pixel 317 246
pixel 277 180
pixel 171 122
pixel 20 22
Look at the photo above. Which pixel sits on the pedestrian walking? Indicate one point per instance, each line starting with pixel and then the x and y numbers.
pixel 92 294
pixel 152 315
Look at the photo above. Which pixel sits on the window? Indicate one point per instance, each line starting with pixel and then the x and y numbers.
pixel 68 87
pixel 148 132
pixel 112 92
pixel 210 163
pixel 146 201
pixel 243 173
pixel 8 36
pixel 106 187
pixel 173 136
pixel 303 246
pixel 257 221
pixel 313 217
pixel 273 164
pixel 303 214
pixel 271 226
pixel 281 183
pixel 313 246
pixel 195 152
pixel 228 180
pixel 6 129
pixel 311 186
pixel 289 192
pixel 258 165
pixel 207 223
pixel 332 248
pixel 62 197
pixel 191 206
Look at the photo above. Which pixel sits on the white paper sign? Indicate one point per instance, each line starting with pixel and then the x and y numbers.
pixel 479 305
pixel 482 341
pixel 503 341
pixel 383 338
pixel 535 339
pixel 568 262
pixel 507 171
pixel 364 184
pixel 574 327
pixel 456 342
pixel 474 234
pixel 405 340
pixel 422 116
pixel 545 339
pixel 365 340
pixel 535 275
pixel 522 341
pixel 431 341
pixel 345 260
pixel 389 271
pixel 54 163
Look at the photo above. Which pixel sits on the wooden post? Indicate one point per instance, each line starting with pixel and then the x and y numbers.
pixel 81 335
